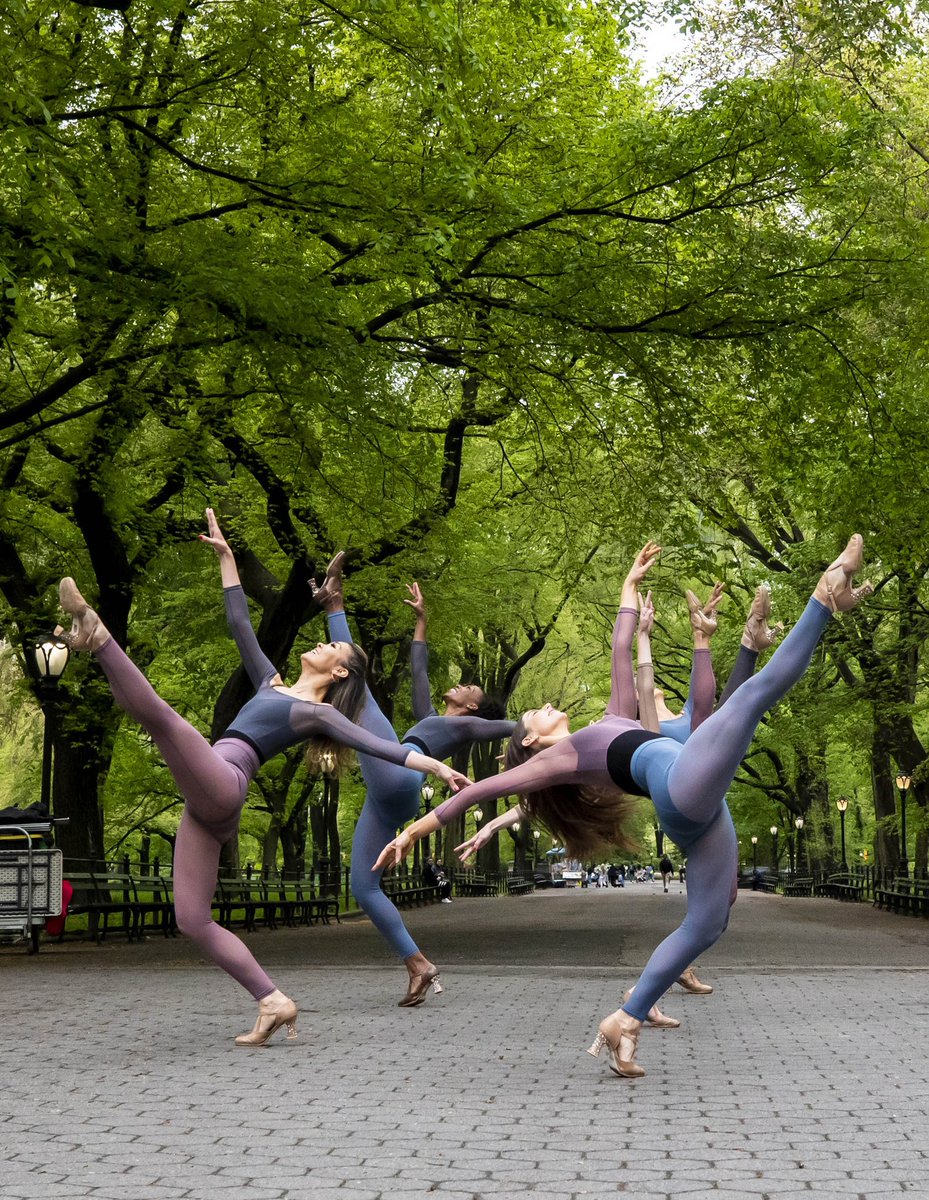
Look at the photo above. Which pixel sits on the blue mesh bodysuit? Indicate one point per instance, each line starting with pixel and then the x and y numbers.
pixel 687 784
pixel 392 794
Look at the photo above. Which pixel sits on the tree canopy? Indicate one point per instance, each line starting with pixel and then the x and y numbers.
pixel 456 286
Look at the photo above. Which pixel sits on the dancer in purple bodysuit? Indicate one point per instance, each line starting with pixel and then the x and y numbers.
pixel 575 783
pixel 321 706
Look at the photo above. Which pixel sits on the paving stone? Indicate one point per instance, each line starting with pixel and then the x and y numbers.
pixel 488 1094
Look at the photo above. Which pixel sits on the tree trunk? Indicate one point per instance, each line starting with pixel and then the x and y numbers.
pixel 79 766
pixel 886 836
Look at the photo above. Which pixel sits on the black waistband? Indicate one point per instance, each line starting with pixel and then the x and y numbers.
pixel 418 742
pixel 243 737
pixel 619 756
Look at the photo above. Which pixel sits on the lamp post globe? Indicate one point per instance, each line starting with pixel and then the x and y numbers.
pixel 51 658
pixel 842 804
pixel 903 785
pixel 427 791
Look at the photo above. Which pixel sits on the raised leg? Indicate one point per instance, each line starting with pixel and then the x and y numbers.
pixel 743 668
pixel 212 788
pixel 706 765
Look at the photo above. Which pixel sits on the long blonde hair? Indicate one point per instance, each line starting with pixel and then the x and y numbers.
pixel 586 819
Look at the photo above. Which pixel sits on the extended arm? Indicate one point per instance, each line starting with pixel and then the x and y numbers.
pixel 645 671
pixel 506 820
pixel 419 657
pixel 554 765
pixel 623 702
pixel 476 729
pixel 254 659
pixel 322 720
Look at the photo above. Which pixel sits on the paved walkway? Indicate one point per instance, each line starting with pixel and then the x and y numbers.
pixel 804 1074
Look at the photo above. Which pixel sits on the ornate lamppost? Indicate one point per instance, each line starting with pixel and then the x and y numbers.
pixel 842 804
pixel 798 824
pixel 774 841
pixel 536 834
pixel 51 658
pixel 754 853
pixel 427 791
pixel 903 784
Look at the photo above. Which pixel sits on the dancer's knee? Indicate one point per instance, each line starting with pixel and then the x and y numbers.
pixel 193 920
pixel 706 928
pixel 365 886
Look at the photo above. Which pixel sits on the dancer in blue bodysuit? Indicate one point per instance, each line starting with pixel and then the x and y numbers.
pixel 576 784
pixel 392 795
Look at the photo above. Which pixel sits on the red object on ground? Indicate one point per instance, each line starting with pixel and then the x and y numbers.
pixel 55 925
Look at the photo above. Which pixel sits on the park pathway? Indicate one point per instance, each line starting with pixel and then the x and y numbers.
pixel 804 1074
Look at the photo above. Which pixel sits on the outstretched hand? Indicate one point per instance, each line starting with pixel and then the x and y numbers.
pixel 416 601
pixel 214 536
pixel 644 561
pixel 453 779
pixel 394 852
pixel 473 844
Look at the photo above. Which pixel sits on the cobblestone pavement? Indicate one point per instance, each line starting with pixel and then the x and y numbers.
pixel 803 1074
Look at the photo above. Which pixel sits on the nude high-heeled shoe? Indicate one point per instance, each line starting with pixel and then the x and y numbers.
pixel 656 1018
pixel 87 631
pixel 419 989
pixel 690 983
pixel 758 635
pixel 272 1014
pixel 328 594
pixel 620 1034
pixel 835 589
pixel 700 620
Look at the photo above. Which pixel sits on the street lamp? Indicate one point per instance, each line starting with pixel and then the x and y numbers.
pixel 798 824
pixel 842 804
pixel 774 838
pixel 536 834
pixel 903 783
pixel 754 853
pixel 427 791
pixel 478 817
pixel 51 658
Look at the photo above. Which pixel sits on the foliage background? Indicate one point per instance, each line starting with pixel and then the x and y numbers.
pixel 453 284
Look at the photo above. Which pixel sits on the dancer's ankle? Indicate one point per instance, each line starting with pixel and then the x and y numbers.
pixel 417 964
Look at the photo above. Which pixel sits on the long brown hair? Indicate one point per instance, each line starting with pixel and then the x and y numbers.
pixel 586 819
pixel 323 755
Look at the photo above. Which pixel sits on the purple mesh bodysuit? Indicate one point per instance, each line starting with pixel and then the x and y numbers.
pixel 687 784
pixel 214 779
